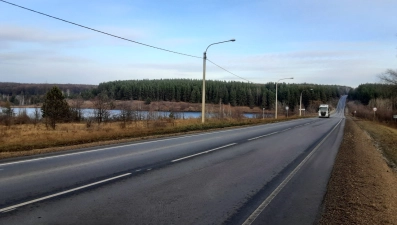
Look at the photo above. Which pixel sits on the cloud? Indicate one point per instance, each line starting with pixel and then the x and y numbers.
pixel 39 56
pixel 15 33
pixel 344 66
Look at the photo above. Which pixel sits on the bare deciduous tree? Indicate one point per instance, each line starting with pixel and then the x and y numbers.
pixel 389 77
pixel 102 107
pixel 36 116
pixel 76 108
pixel 126 113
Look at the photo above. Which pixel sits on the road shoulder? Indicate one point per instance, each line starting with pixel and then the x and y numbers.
pixel 362 188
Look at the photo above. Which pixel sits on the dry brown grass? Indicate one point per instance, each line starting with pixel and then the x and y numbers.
pixel 383 114
pixel 385 138
pixel 362 188
pixel 27 139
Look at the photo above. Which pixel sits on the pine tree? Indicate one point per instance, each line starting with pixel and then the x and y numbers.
pixel 55 108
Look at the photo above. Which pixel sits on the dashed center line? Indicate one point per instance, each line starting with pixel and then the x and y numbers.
pixel 262 136
pixel 190 156
pixel 251 139
pixel 10 208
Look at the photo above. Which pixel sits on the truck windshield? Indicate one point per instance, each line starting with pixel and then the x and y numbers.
pixel 323 109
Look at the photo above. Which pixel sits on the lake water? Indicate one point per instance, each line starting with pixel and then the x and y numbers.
pixel 142 114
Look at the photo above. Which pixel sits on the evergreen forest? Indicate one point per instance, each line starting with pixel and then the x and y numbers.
pixel 182 90
pixel 365 92
pixel 226 92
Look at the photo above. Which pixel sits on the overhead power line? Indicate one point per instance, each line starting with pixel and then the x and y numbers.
pixel 228 71
pixel 126 39
pixel 66 21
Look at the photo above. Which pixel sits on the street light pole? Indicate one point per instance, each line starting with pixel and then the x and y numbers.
pixel 203 91
pixel 275 116
pixel 300 103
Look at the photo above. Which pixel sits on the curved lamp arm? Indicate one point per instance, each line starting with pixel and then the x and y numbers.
pixel 218 43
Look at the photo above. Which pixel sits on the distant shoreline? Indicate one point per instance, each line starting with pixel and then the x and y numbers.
pixel 162 106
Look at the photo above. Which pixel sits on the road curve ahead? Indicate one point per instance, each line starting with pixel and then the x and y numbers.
pixel 267 174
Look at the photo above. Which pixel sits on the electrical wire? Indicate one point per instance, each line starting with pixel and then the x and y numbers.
pixel 76 24
pixel 228 71
pixel 112 35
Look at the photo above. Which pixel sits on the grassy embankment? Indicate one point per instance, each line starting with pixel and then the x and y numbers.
pixel 362 188
pixel 383 131
pixel 27 139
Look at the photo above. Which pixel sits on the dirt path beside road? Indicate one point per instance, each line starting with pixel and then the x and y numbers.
pixel 362 188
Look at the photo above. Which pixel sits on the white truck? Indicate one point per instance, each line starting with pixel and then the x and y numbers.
pixel 323 111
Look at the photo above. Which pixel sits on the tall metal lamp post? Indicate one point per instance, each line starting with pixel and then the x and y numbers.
pixel 203 94
pixel 300 102
pixel 275 116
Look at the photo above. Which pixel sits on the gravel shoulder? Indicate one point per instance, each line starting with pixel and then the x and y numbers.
pixel 363 185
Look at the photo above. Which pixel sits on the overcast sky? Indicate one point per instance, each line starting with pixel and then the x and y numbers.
pixel 343 42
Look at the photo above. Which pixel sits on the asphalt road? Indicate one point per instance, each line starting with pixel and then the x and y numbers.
pixel 267 174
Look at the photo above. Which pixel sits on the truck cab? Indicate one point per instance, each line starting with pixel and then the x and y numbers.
pixel 323 111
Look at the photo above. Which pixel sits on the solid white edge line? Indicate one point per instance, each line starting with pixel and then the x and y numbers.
pixel 267 201
pixel 190 156
pixel 122 146
pixel 60 193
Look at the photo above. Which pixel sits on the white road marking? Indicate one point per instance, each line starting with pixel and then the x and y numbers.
pixel 149 169
pixel 138 170
pixel 205 152
pixel 9 210
pixel 122 146
pixel 267 201
pixel 262 136
pixel 60 193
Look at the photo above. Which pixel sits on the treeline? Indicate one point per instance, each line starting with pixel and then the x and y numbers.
pixel 366 97
pixel 365 92
pixel 22 93
pixel 180 90
pixel 226 92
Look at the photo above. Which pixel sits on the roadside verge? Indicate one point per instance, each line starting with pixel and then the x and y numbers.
pixel 362 188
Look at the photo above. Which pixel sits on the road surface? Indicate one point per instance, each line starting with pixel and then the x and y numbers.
pixel 267 174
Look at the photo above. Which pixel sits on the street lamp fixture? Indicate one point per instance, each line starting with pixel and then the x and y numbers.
pixel 300 102
pixel 275 116
pixel 203 91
